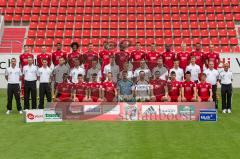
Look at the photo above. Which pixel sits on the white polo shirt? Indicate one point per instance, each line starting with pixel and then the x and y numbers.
pixel 226 77
pixel 30 73
pixel 179 73
pixel 212 76
pixel 13 74
pixel 195 70
pixel 44 74
pixel 75 72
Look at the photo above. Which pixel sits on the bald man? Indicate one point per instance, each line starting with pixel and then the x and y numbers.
pixel 226 78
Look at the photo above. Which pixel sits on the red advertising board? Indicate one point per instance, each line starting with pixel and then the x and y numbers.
pixel 159 111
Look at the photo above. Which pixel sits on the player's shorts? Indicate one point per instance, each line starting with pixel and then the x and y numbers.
pixel 109 98
pixel 204 99
pixel 94 99
pixel 143 99
pixel 80 98
pixel 189 98
pixel 174 98
pixel 64 99
pixel 159 98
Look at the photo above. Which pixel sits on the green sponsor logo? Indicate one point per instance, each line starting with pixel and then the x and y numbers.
pixel 186 109
pixel 52 116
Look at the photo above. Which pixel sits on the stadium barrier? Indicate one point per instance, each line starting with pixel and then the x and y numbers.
pixel 122 111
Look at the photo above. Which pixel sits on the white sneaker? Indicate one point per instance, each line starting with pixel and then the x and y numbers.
pixel 229 111
pixel 224 111
pixel 8 112
pixel 20 112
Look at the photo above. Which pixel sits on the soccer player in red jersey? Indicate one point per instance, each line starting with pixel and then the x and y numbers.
pixel 212 56
pixel 136 56
pixel 23 62
pixel 89 56
pixel 105 55
pixel 158 88
pixel 80 93
pixel 24 56
pixel 74 55
pixel 174 89
pixel 95 90
pixel 168 57
pixel 64 90
pixel 109 91
pixel 204 90
pixel 58 54
pixel 152 56
pixel 188 89
pixel 121 57
pixel 42 56
pixel 183 57
pixel 200 56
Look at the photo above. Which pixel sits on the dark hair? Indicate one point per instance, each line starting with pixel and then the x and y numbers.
pixel 59 43
pixel 13 58
pixel 188 73
pixel 204 74
pixel 80 75
pixel 157 72
pixel 75 43
pixel 94 74
pixel 173 73
pixel 90 44
pixel 141 72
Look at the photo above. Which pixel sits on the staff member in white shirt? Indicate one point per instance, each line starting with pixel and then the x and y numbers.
pixel 212 78
pixel 194 69
pixel 226 78
pixel 179 72
pixel 13 75
pixel 76 71
pixel 30 78
pixel 44 77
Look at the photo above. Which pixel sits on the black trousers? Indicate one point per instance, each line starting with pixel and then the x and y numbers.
pixel 30 88
pixel 214 96
pixel 226 92
pixel 44 89
pixel 13 89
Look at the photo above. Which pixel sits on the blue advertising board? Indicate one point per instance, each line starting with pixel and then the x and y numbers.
pixel 208 115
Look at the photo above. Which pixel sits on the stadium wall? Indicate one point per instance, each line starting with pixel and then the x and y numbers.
pixel 232 58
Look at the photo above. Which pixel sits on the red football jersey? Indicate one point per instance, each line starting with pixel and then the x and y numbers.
pixel 80 90
pixel 42 56
pixel 174 88
pixel 120 58
pixel 24 58
pixel 188 87
pixel 105 56
pixel 200 58
pixel 136 57
pixel 158 87
pixel 203 90
pixel 184 58
pixel 88 57
pixel 168 59
pixel 72 56
pixel 64 90
pixel 152 58
pixel 94 88
pixel 57 55
pixel 109 90
pixel 213 56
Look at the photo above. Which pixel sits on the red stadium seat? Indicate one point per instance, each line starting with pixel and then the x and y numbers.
pixel 30 42
pixel 42 25
pixel 169 41
pixel 33 25
pixel 224 41
pixel 122 33
pixel 68 33
pixel 233 41
pixel 51 25
pixel 60 25
pixel 31 33
pixel 186 33
pixel 141 33
pixel 213 33
pixel 49 42
pixel 230 25
pixel 149 33
pixel 212 25
pixel 232 33
pixel 167 33
pixel 159 33
pixel 67 41
pixel 175 17
pixel 159 41
pixel 34 18
pixel 223 33
pixel 195 33
pixel 37 49
pixel 39 42
pixel 221 25
pixel 185 25
pixel 215 41
pixel 177 33
pixel 177 41
pixel 44 10
pixel 204 33
pixel 77 33
pixel 95 33
pixel 226 49
pixel 59 33
pixel 193 17
pixel 176 25
pixel 205 41
pixel 194 25
pixel 149 25
pixel 50 33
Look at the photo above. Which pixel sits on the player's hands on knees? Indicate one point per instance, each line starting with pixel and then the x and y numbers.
pixel 184 99
pixel 210 99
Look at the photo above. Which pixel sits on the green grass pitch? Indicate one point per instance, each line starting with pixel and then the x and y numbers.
pixel 120 140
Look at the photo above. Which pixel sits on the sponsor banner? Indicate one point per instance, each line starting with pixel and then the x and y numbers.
pixel 40 115
pixel 34 115
pixel 208 115
pixel 131 111
pixel 52 116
